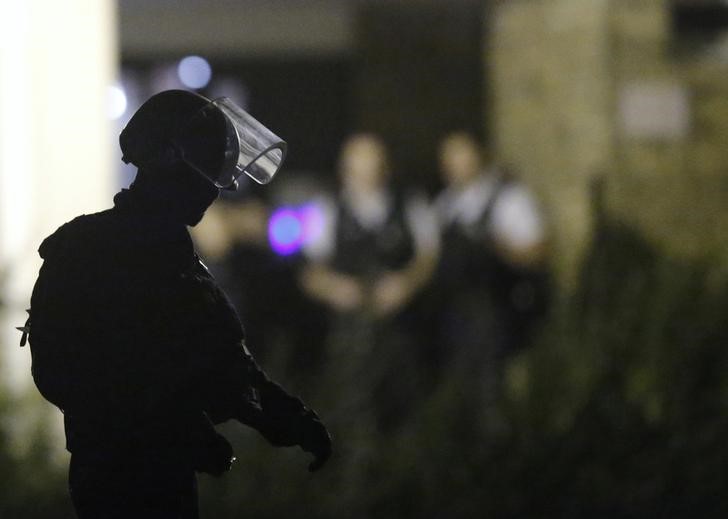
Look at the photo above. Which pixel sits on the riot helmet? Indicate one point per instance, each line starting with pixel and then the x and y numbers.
pixel 216 138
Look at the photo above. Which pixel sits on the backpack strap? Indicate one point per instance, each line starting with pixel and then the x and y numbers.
pixel 482 227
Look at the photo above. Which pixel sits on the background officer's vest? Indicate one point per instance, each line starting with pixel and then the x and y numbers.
pixel 368 252
pixel 471 269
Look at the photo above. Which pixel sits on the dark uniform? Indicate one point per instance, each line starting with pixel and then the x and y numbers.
pixel 491 304
pixel 486 308
pixel 471 282
pixel 134 341
pixel 380 351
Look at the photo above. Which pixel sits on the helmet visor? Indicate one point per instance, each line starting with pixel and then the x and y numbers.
pixel 260 152
pixel 238 143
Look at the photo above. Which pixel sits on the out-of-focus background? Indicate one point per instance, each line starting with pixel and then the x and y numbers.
pixel 496 259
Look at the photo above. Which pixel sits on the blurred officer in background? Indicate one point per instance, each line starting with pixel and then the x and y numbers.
pixel 134 341
pixel 491 277
pixel 378 246
pixel 375 250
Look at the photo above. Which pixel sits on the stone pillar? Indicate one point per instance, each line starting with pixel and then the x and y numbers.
pixel 551 73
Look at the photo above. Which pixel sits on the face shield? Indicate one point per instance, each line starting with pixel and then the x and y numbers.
pixel 222 141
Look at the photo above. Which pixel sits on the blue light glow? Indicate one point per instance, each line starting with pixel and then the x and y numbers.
pixel 290 228
pixel 285 231
pixel 194 72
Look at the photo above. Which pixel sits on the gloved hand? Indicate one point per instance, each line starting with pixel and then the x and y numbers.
pixel 306 430
pixel 315 438
pixel 213 456
pixel 285 421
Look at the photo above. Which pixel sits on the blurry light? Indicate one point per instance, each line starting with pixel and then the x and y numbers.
pixel 290 228
pixel 116 102
pixel 194 72
pixel 285 231
pixel 312 221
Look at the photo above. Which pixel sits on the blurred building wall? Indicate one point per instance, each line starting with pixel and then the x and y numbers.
pixel 587 88
pixel 673 187
pixel 419 74
pixel 57 62
pixel 234 28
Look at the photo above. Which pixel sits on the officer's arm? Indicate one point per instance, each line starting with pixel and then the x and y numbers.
pixel 230 385
pixel 281 418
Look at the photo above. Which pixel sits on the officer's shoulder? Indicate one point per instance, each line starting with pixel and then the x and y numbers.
pixel 81 232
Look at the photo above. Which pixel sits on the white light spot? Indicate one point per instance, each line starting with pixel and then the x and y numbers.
pixel 194 72
pixel 115 102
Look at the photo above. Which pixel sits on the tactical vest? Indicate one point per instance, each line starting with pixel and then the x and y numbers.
pixel 469 260
pixel 471 268
pixel 368 252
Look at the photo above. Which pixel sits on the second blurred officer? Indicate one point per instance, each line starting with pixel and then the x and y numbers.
pixel 377 250
pixel 491 278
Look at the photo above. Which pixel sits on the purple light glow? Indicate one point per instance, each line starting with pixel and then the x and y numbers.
pixel 284 231
pixel 290 228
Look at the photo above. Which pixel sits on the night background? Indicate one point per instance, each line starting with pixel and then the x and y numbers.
pixel 613 400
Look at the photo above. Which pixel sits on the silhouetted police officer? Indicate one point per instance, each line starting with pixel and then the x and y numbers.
pixel 133 339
